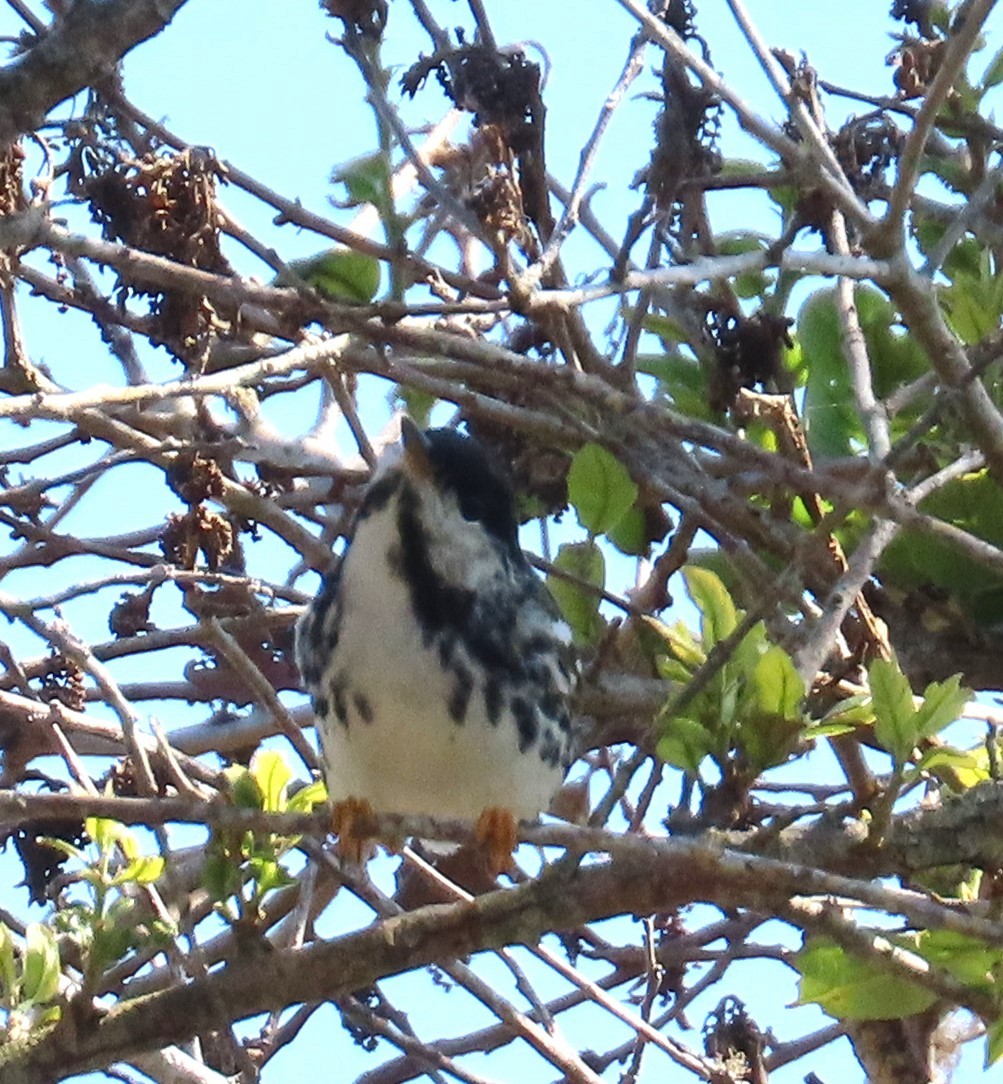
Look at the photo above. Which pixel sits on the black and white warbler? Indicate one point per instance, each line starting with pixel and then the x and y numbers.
pixel 438 666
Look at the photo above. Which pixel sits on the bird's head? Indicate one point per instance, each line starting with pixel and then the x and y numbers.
pixel 456 475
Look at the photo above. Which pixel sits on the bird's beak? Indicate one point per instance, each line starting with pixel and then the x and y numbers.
pixel 416 462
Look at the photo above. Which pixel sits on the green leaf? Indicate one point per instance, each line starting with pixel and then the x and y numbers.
pixel 9 985
pixel 965 259
pixel 685 743
pixel 162 932
pixel 895 356
pixel 828 730
pixel 974 503
pixel 419 404
pixel 770 720
pixel 721 701
pixel 244 789
pixel 795 363
pixel 140 871
pixel 850 988
pixel 752 283
pixel 40 1020
pixel 894 714
pixel 268 875
pixel 630 535
pixel 306 798
pixel 220 875
pixel 959 769
pixel 682 380
pixel 64 847
pixel 832 421
pixel 768 740
pixel 943 702
pixel 994 72
pixel 852 712
pixel 719 617
pixel 109 834
pixel 972 962
pixel 123 913
pixel 579 606
pixel 740 167
pixel 112 943
pixel 994 1042
pixel 956 882
pixel 670 669
pixel 339 274
pixel 76 922
pixel 940 13
pixel 667 329
pixel 100 830
pixel 126 842
pixel 366 180
pixel 40 977
pixel 678 640
pixel 832 424
pixel 600 489
pixel 272 774
pixel 778 685
pixel 745 658
pixel 951 170
pixel 973 305
pixel 785 196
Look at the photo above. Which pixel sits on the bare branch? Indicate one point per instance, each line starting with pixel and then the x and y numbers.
pixel 81 47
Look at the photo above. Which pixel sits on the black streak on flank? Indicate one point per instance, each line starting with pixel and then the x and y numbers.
pixel 363 707
pixel 537 645
pixel 447 647
pixel 493 700
pixel 550 749
pixel 525 720
pixel 489 639
pixel 459 699
pixel 309 671
pixel 552 706
pixel 395 561
pixel 337 685
pixel 323 603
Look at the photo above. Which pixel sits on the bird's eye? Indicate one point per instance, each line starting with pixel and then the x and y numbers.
pixel 471 509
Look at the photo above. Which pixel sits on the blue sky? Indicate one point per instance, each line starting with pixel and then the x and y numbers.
pixel 259 83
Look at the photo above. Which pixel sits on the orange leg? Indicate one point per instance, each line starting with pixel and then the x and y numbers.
pixel 345 818
pixel 497 834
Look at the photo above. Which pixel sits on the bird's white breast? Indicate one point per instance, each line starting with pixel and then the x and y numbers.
pixel 411 756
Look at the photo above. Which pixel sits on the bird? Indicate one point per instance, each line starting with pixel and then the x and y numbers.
pixel 438 666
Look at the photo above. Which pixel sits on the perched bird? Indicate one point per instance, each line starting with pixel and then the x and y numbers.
pixel 438 666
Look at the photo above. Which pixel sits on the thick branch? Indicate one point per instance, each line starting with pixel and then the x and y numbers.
pixel 965 830
pixel 82 46
pixel 639 881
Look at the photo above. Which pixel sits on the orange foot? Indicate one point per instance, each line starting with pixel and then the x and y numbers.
pixel 497 834
pixel 346 816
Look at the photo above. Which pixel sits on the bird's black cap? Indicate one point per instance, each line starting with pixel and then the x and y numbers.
pixel 462 465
